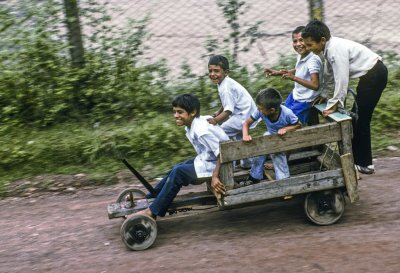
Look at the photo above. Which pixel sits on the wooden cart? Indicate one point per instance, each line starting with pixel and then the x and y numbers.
pixel 321 166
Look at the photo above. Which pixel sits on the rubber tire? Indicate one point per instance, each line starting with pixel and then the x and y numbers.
pixel 324 207
pixel 139 232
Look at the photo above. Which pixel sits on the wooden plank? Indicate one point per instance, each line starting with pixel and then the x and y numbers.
pixel 329 158
pixel 350 177
pixel 305 137
pixel 304 154
pixel 345 144
pixel 300 179
pixel 336 116
pixel 277 191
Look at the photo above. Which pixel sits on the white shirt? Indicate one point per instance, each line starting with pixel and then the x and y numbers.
pixel 310 64
pixel 235 98
pixel 348 59
pixel 205 139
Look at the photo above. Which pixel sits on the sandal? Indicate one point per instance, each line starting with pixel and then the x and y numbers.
pixel 249 181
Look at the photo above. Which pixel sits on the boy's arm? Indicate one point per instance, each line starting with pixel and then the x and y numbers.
pixel 289 128
pixel 273 72
pixel 218 112
pixel 216 183
pixel 246 126
pixel 224 115
pixel 311 84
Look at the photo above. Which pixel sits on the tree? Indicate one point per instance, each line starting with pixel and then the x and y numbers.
pixel 74 32
pixel 317 9
pixel 232 9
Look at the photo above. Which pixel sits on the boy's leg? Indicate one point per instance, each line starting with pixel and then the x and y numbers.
pixel 257 168
pixel 161 183
pixel 280 166
pixel 181 175
pixel 369 91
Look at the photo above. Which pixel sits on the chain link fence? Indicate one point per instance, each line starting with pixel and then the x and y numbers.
pixel 181 29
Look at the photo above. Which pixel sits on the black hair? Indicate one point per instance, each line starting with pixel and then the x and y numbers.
pixel 188 102
pixel 316 30
pixel 269 98
pixel 219 60
pixel 298 29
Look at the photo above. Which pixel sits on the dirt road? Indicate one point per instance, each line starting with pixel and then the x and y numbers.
pixel 71 233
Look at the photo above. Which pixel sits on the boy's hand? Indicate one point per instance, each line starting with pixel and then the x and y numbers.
pixel 272 72
pixel 329 111
pixel 217 185
pixel 282 131
pixel 288 75
pixel 247 138
pixel 212 121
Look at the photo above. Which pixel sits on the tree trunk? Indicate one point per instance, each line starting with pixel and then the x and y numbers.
pixel 74 32
pixel 317 9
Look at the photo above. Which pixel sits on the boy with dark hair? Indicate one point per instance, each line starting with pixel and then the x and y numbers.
pixel 237 103
pixel 205 139
pixel 307 76
pixel 348 59
pixel 279 120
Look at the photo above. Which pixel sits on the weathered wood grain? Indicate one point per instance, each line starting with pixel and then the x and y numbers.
pixel 305 137
pixel 350 177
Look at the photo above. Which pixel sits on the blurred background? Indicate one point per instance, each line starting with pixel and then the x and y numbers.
pixel 85 83
pixel 184 30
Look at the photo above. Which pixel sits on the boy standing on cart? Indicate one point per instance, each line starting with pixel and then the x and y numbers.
pixel 279 120
pixel 237 103
pixel 307 76
pixel 205 139
pixel 348 59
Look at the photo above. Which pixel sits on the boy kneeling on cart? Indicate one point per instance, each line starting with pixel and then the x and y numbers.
pixel 205 139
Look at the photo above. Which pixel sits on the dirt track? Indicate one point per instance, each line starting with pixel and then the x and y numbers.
pixel 71 233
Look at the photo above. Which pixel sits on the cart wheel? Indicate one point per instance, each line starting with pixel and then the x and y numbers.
pixel 139 232
pixel 125 195
pixel 324 207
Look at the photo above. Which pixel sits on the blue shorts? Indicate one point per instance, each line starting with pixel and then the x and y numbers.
pixel 300 109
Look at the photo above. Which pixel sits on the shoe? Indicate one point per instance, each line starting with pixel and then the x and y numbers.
pixel 365 170
pixel 249 181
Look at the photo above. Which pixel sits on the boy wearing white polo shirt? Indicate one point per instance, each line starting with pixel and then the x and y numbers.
pixel 348 59
pixel 307 76
pixel 237 103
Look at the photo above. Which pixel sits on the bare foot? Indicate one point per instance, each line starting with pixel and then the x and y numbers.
pixel 146 212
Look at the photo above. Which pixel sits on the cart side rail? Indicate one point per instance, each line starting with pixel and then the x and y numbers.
pixel 269 144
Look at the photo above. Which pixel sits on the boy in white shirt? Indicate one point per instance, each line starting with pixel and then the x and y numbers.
pixel 307 76
pixel 348 59
pixel 205 139
pixel 237 103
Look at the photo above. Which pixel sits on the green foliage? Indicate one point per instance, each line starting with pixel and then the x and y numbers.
pixel 247 35
pixel 40 86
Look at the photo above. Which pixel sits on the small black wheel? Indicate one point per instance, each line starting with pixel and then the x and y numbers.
pixel 129 193
pixel 324 207
pixel 139 232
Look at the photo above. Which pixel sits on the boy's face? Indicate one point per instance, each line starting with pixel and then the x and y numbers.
pixel 298 44
pixel 216 73
pixel 315 47
pixel 182 117
pixel 268 112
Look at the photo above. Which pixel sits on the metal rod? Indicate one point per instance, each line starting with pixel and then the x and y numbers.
pixel 142 180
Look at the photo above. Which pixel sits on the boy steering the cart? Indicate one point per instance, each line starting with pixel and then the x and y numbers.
pixel 205 139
